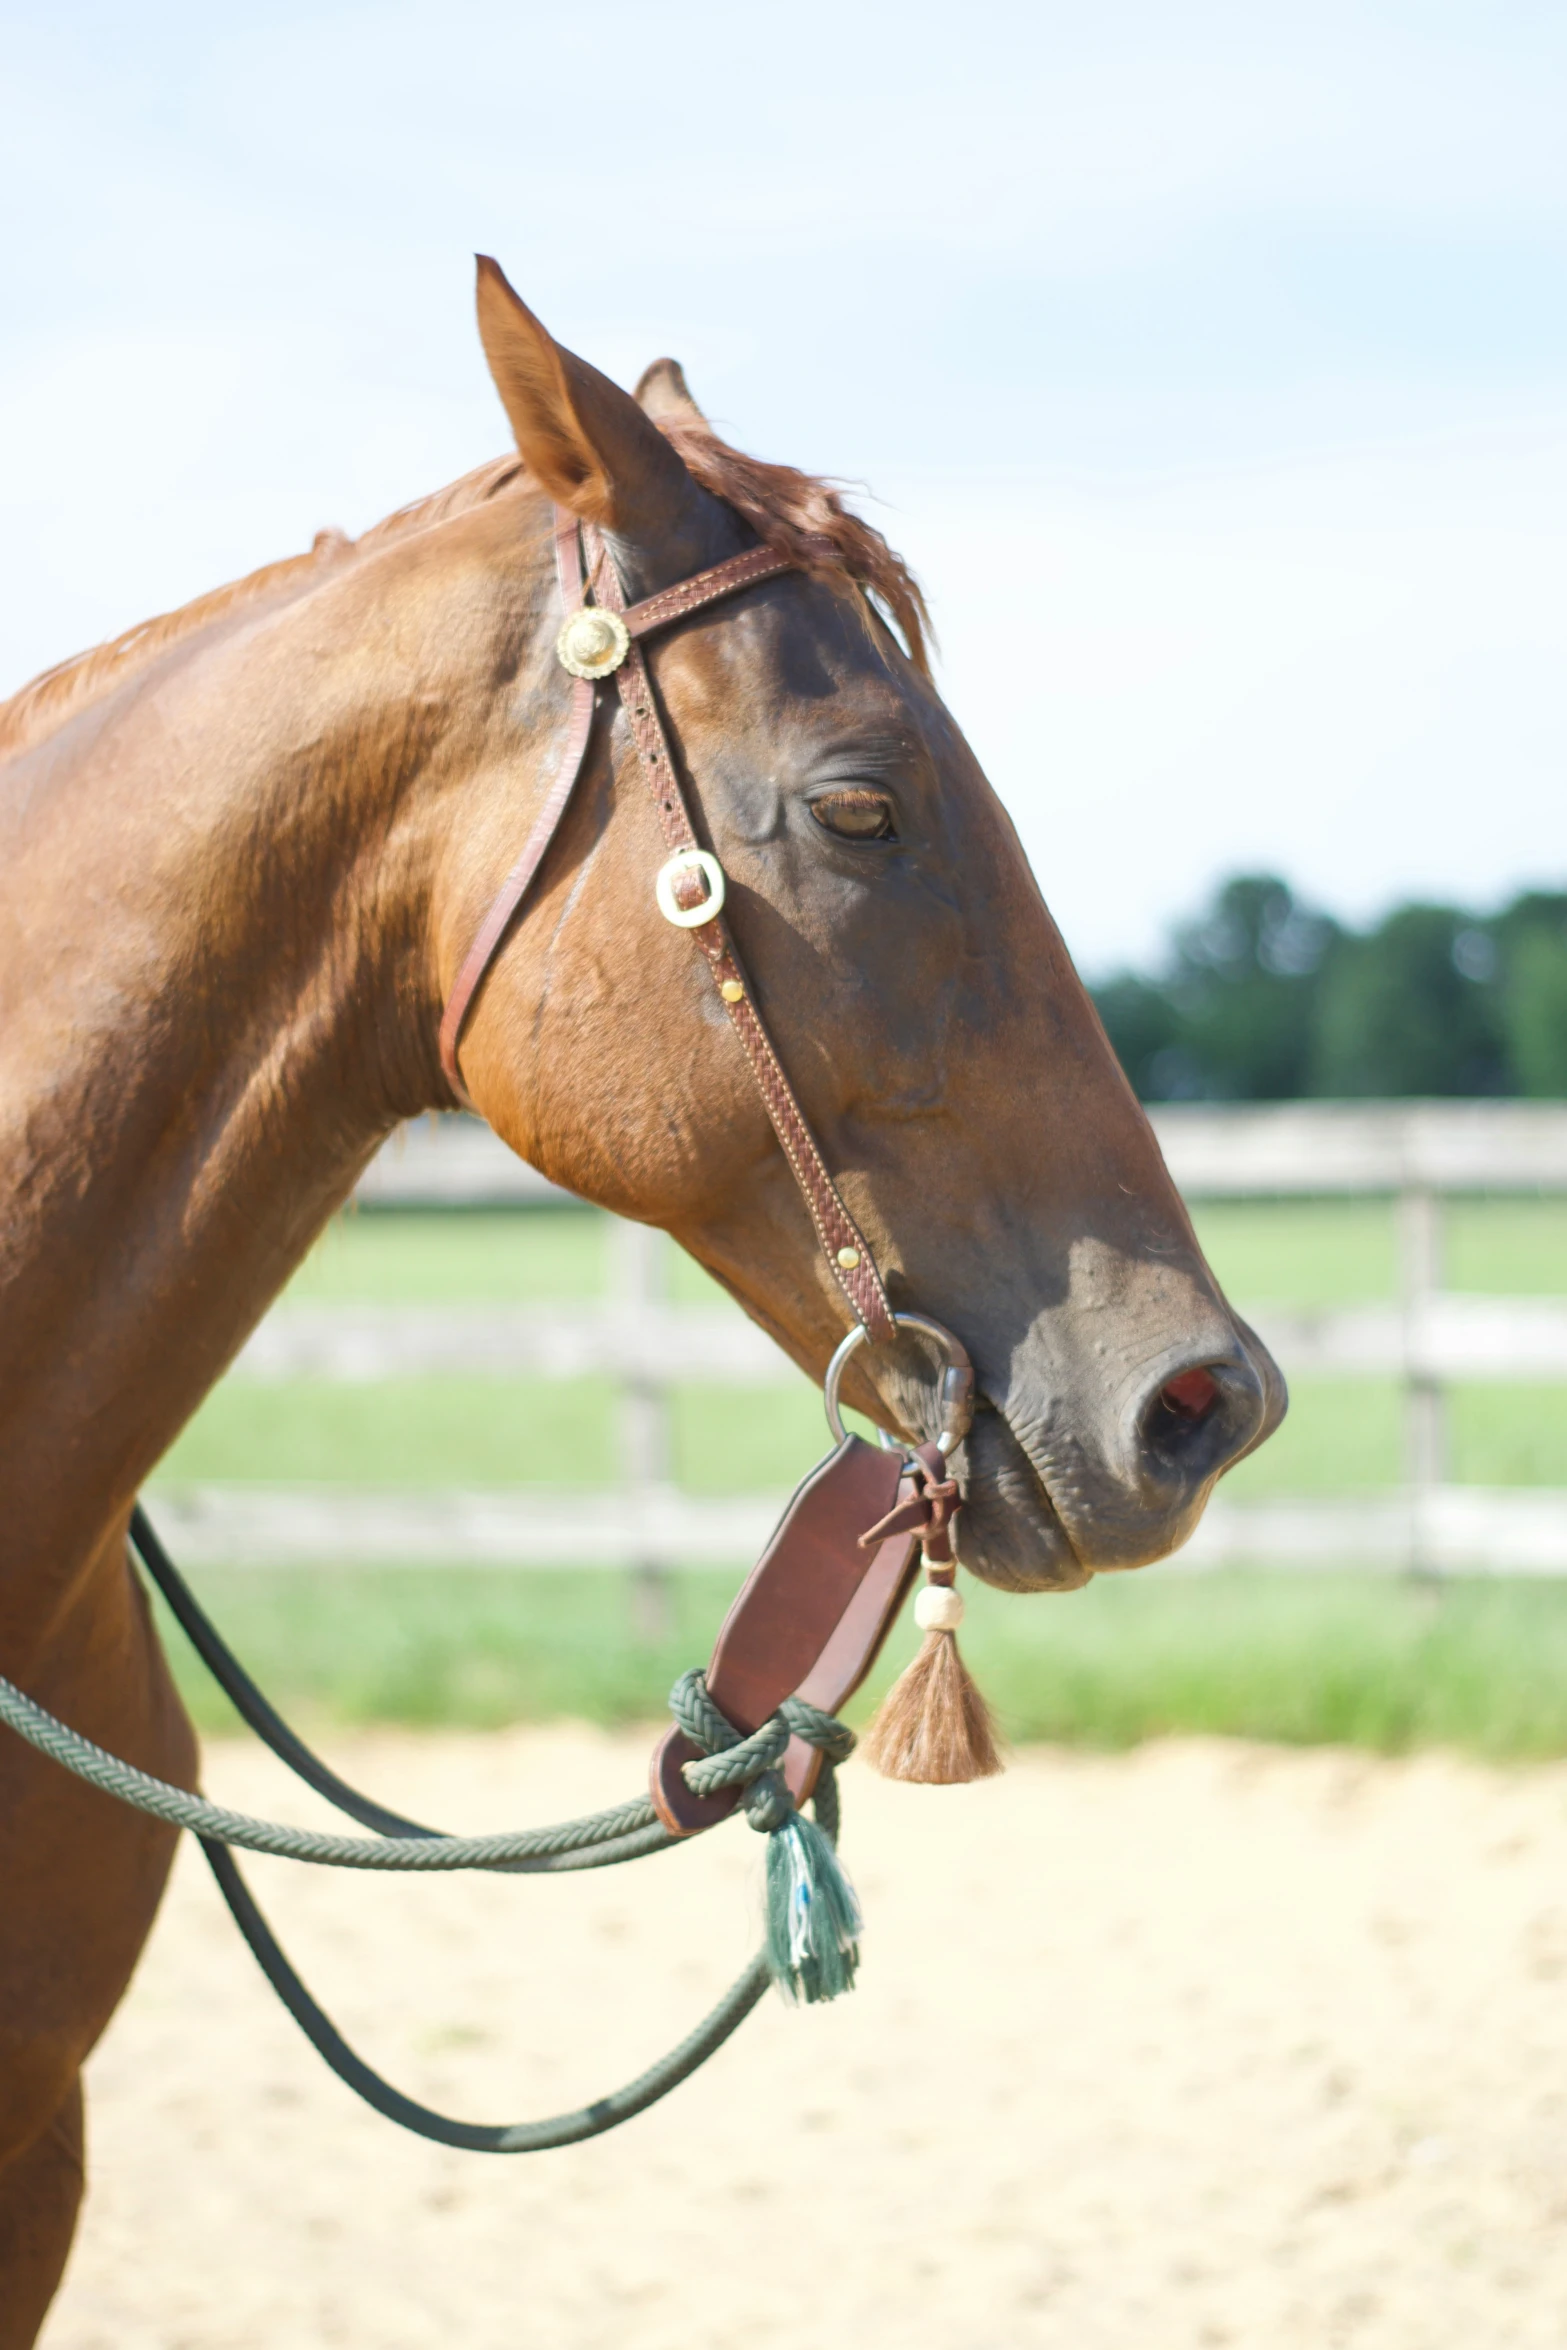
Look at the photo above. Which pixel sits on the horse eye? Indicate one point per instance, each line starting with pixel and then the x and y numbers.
pixel 855 815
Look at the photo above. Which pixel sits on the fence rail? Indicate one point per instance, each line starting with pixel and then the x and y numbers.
pixel 1459 1529
pixel 658 1343
pixel 1446 1337
pixel 1426 1338
pixel 1280 1150
pixel 1307 1149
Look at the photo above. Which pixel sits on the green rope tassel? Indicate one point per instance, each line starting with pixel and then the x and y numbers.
pixel 812 1943
pixel 813 1919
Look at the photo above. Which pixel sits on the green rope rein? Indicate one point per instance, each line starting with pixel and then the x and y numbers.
pixel 623 1832
pixel 181 1809
pixel 813 1920
pixel 561 2129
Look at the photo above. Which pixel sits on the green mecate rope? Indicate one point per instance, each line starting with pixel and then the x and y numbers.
pixel 811 1949
pixel 814 1925
pixel 622 1833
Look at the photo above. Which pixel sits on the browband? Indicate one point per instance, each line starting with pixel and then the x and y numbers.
pixel 689 882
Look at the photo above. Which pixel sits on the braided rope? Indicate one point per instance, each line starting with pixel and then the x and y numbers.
pixel 834 1740
pixel 740 1764
pixel 620 1833
pixel 732 1760
pixel 700 1718
pixel 623 1832
pixel 561 2129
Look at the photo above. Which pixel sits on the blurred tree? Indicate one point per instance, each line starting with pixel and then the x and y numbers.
pixel 1232 1018
pixel 1262 999
pixel 1411 1008
pixel 1245 982
pixel 1532 943
pixel 1144 1027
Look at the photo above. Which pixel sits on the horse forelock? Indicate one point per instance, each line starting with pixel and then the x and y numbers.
pixel 804 517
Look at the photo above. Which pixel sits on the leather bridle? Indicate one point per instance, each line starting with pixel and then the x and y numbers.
pixel 690 885
pixel 759 1726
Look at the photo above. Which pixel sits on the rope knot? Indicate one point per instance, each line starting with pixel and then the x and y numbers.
pixel 928 1512
pixel 813 1919
pixel 730 1758
pixel 768 1803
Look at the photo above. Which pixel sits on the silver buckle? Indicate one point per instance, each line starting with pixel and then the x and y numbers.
pixel 690 861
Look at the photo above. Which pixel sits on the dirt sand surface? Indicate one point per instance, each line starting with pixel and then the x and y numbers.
pixel 1195 2046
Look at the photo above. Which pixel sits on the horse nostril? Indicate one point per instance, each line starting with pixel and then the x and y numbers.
pixel 1195 1423
pixel 1192 1396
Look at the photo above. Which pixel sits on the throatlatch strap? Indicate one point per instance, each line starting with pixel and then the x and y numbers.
pixel 844 1246
pixel 515 886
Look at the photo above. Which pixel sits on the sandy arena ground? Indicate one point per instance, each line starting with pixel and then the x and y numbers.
pixel 1198 2046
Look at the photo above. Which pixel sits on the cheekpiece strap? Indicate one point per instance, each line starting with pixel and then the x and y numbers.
pixel 691 883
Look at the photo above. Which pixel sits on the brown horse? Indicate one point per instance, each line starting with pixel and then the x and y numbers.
pixel 245 848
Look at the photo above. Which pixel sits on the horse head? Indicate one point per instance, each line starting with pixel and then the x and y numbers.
pixel 943 1047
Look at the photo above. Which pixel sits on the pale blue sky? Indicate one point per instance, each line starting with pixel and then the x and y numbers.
pixel 1211 362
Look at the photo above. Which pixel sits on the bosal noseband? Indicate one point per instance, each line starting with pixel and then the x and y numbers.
pixel 757 1731
pixel 600 641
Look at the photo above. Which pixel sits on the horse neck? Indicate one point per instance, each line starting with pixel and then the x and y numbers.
pixel 217 998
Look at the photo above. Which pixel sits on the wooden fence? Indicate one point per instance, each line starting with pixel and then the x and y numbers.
pixel 1420 1153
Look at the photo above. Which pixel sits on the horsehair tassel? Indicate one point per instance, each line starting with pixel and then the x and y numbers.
pixel 933 1726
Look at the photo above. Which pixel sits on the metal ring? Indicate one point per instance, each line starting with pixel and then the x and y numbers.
pixel 690 861
pixel 957 1383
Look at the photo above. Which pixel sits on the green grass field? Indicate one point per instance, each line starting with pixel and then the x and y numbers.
pixel 1343 1659
pixel 1385 1664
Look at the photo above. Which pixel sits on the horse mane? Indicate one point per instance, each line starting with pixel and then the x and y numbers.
pixel 36 709
pixel 798 513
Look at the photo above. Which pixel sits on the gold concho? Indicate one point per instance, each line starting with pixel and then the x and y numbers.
pixel 593 643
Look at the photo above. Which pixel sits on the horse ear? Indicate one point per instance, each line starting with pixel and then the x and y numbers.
pixel 586 442
pixel 662 391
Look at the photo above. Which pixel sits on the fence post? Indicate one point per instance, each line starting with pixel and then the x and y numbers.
pixel 638 1266
pixel 1425 1412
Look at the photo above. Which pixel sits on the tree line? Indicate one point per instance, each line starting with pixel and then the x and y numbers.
pixel 1263 998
